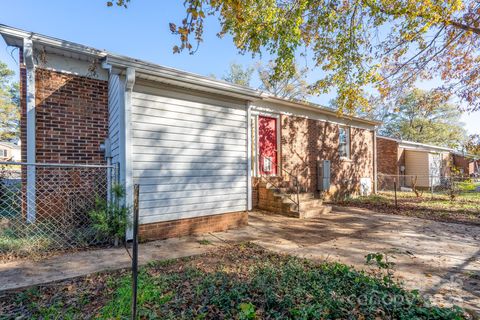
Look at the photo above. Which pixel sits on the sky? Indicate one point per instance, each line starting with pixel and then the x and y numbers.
pixel 141 31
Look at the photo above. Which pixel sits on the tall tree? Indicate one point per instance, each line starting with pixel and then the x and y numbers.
pixel 9 104
pixel 387 44
pixel 294 87
pixel 425 117
pixel 472 146
pixel 238 74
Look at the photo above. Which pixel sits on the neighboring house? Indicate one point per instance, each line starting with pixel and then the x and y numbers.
pixel 413 162
pixel 9 151
pixel 474 167
pixel 466 164
pixel 194 144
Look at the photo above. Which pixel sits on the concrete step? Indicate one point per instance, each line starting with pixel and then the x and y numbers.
pixel 301 196
pixel 304 204
pixel 315 212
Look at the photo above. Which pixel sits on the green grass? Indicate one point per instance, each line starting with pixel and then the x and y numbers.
pixel 468 186
pixel 19 239
pixel 238 282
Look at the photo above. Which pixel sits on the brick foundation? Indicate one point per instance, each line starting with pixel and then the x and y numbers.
pixel 198 225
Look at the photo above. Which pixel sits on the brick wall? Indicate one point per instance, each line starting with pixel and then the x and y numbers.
pixel 72 117
pixel 304 142
pixel 461 164
pixel 388 156
pixel 183 227
pixel 71 123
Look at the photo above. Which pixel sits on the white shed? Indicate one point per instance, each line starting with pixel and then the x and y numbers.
pixel 424 166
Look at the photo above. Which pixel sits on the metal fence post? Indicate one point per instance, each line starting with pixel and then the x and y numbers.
pixel 136 192
pixel 395 191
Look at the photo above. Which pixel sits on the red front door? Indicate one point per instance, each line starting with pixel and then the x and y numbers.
pixel 267 145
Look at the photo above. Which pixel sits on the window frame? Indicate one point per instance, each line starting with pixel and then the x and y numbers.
pixel 346 143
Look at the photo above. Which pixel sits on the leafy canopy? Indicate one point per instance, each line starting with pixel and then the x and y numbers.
pixel 293 87
pixel 9 104
pixel 238 75
pixel 358 44
pixel 425 117
pixel 472 145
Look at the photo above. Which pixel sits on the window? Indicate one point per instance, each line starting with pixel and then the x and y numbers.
pixel 344 142
pixel 4 153
pixel 267 164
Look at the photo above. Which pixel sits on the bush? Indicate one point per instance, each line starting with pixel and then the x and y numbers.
pixel 110 219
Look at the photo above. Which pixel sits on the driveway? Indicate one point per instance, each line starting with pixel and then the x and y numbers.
pixel 442 260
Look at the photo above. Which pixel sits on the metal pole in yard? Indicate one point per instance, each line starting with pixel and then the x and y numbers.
pixel 395 191
pixel 136 193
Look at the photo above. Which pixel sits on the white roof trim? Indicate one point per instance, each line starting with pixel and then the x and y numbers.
pixel 416 145
pixel 14 37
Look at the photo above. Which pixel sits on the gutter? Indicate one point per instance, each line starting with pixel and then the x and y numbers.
pixel 317 108
pixel 181 78
pixel 417 145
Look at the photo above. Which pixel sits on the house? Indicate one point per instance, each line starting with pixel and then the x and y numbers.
pixel 9 151
pixel 474 167
pixel 413 163
pixel 465 164
pixel 198 147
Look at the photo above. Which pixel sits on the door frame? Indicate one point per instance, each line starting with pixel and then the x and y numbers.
pixel 255 115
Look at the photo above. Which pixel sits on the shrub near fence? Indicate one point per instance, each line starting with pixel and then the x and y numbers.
pixel 53 212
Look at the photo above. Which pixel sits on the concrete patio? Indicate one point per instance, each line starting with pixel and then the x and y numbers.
pixel 442 260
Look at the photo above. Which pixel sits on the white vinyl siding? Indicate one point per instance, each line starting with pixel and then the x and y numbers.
pixel 189 154
pixel 115 103
pixel 419 164
pixel 435 168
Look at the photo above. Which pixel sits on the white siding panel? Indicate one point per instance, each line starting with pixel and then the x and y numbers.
pixel 188 138
pixel 189 154
pixel 416 164
pixel 174 117
pixel 114 107
pixel 159 108
pixel 160 143
pixel 191 194
pixel 145 130
pixel 182 150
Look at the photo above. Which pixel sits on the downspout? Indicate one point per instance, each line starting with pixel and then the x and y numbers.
pixel 249 157
pixel 374 131
pixel 31 149
pixel 129 83
pixel 107 147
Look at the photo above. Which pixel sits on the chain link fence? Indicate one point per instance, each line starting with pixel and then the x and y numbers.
pixel 421 184
pixel 45 207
